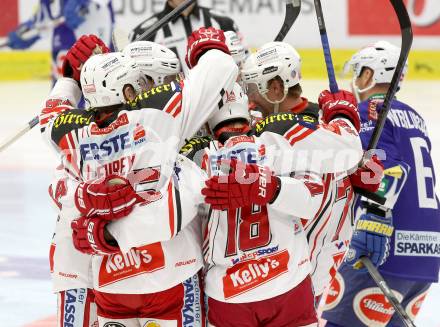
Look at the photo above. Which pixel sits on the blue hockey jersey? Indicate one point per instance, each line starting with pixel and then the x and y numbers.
pixel 409 187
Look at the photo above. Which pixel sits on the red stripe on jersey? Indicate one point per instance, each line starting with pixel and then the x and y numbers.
pixel 328 178
pixel 293 131
pixel 171 207
pixel 178 110
pixel 174 107
pixel 61 309
pixel 301 137
pixel 344 214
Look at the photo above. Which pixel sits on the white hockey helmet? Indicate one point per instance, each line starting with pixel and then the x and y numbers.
pixel 235 106
pixel 236 48
pixel 104 76
pixel 272 60
pixel 154 60
pixel 381 58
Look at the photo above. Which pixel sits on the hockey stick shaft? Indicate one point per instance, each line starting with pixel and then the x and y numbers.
pixel 326 47
pixel 164 20
pixel 407 38
pixel 19 133
pixel 147 34
pixel 381 283
pixel 293 8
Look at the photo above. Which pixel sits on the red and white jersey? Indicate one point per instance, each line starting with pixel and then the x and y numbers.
pixel 258 252
pixel 141 143
pixel 70 269
pixel 330 231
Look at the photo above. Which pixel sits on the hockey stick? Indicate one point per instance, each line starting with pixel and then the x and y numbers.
pixel 326 47
pixel 148 33
pixel 19 133
pixel 293 8
pixel 164 20
pixel 407 38
pixel 387 292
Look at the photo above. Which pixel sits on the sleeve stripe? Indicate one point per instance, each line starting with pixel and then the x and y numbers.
pixel 301 136
pixel 171 208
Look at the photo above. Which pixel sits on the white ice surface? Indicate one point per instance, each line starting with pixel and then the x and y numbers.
pixel 27 219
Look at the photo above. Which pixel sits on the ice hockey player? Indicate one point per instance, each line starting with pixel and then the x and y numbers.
pixel 70 269
pixel 256 253
pixel 409 189
pixel 177 275
pixel 67 20
pixel 175 34
pixel 158 63
pixel 273 77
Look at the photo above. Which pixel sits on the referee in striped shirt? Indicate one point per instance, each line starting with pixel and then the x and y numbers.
pixel 174 34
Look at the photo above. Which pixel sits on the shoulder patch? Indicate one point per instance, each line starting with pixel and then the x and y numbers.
pixel 69 121
pixel 277 123
pixel 194 145
pixel 156 98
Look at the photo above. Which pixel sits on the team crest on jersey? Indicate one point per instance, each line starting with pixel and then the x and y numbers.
pixel 413 307
pixel 373 308
pixel 335 292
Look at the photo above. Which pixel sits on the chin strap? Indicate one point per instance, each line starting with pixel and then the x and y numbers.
pixel 225 133
pixel 357 90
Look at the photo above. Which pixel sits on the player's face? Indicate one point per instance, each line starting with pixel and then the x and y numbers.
pixel 129 92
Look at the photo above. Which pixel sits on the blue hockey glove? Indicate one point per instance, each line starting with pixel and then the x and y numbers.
pixel 371 238
pixel 74 11
pixel 23 36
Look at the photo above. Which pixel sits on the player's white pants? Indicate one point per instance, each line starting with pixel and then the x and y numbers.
pixel 77 308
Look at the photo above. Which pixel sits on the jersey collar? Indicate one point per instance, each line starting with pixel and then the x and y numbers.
pixel 301 106
pixel 377 96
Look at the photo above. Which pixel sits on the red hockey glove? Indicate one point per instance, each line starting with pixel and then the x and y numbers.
pixel 110 198
pixel 369 175
pixel 88 236
pixel 341 103
pixel 202 40
pixel 85 47
pixel 248 184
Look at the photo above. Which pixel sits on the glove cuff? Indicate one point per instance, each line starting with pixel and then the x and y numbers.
pixel 105 246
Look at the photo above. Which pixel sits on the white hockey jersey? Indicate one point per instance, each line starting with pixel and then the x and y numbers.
pixel 141 143
pixel 258 252
pixel 329 232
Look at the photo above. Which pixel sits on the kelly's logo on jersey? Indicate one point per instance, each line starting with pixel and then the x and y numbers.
pixel 248 275
pixel 137 261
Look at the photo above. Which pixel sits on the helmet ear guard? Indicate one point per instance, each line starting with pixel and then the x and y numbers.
pixel 381 58
pixel 272 60
pixel 104 77
pixel 153 59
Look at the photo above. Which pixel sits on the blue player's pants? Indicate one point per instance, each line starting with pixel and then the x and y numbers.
pixel 355 300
